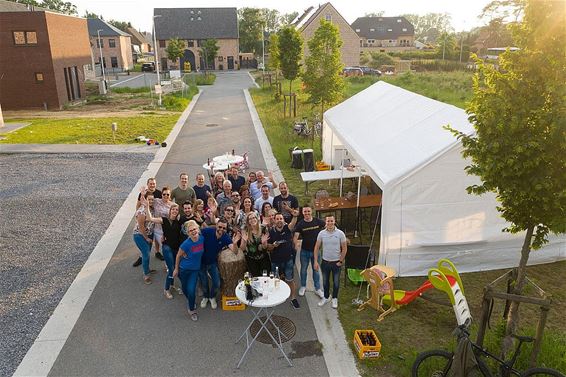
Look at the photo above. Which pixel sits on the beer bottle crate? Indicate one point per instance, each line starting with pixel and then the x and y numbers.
pixel 232 303
pixel 363 348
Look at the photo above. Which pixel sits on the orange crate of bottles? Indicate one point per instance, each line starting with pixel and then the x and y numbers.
pixel 362 339
pixel 232 303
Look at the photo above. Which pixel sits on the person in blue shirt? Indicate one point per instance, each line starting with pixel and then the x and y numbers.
pixel 187 264
pixel 215 240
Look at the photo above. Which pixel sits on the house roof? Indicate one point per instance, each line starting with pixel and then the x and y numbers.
pixel 376 128
pixel 383 28
pixel 196 23
pixel 137 37
pixel 310 14
pixel 107 30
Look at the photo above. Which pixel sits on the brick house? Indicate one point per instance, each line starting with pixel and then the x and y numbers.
pixel 116 46
pixel 140 45
pixel 194 26
pixel 385 34
pixel 309 21
pixel 44 57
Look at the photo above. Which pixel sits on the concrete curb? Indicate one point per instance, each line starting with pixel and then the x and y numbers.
pixel 337 354
pixel 252 78
pixel 40 358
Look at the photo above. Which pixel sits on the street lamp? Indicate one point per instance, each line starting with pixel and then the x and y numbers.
pixel 263 47
pixel 156 55
pixel 101 62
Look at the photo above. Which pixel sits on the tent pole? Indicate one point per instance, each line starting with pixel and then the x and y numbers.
pixel 358 201
pixel 341 170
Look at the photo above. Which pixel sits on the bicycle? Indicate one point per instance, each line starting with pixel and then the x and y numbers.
pixel 438 363
pixel 302 128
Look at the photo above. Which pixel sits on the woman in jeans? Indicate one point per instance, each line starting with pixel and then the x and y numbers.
pixel 257 257
pixel 161 209
pixel 187 264
pixel 171 242
pixel 143 233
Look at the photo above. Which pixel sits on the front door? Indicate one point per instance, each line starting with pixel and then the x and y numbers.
pixel 188 57
pixel 230 62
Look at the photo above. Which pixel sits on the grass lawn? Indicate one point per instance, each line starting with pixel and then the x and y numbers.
pixel 91 130
pixel 421 325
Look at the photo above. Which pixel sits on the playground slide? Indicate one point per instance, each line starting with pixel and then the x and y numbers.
pixel 406 297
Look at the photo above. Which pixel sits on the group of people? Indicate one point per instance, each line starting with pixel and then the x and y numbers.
pixel 190 226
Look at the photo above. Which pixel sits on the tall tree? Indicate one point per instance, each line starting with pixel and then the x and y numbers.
pixel 423 24
pixel 518 114
pixel 65 7
pixel 287 18
pixel 122 25
pixel 175 49
pixel 209 49
pixel 322 77
pixel 446 45
pixel 274 54
pixel 291 43
pixel 92 15
pixel 271 20
pixel 250 26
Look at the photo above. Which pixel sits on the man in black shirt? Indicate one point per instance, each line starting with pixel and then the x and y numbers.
pixel 308 228
pixel 285 202
pixel 237 180
pixel 282 251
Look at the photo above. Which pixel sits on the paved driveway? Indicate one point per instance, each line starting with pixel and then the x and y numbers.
pixel 129 328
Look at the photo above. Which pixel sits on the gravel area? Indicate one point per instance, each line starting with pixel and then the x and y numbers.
pixel 53 210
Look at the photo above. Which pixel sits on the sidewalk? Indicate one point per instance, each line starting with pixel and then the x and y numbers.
pixel 129 328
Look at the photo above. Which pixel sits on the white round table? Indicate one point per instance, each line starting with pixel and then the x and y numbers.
pixel 215 166
pixel 276 296
pixel 228 159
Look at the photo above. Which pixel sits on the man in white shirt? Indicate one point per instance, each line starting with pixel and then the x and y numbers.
pixel 334 248
pixel 265 197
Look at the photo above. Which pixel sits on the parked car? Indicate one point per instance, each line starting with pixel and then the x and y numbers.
pixel 370 71
pixel 352 71
pixel 148 67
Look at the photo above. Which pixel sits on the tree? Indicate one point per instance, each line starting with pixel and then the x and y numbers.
pixel 287 18
pixel 422 24
pixel 291 42
pixel 446 45
pixel 271 20
pixel 274 56
pixel 56 5
pixel 92 15
pixel 175 49
pixel 376 59
pixel 209 49
pixel 250 27
pixel 322 77
pixel 122 25
pixel 518 114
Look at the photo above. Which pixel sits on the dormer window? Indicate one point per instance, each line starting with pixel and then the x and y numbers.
pixel 404 29
pixel 357 30
pixel 198 18
pixel 198 12
pixel 399 20
pixel 192 18
pixel 371 29
pixel 192 12
pixel 389 29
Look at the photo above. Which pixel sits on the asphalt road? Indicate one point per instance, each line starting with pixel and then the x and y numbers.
pixel 134 80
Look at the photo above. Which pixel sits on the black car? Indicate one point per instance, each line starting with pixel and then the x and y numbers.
pixel 370 71
pixel 148 67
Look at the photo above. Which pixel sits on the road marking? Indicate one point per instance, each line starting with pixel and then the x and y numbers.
pixel 40 358
pixel 337 355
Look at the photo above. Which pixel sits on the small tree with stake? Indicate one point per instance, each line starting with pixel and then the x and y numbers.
pixel 175 49
pixel 291 51
pixel 322 78
pixel 209 49
pixel 520 142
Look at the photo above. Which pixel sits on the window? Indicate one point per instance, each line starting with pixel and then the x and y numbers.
pixel 404 29
pixel 220 58
pixel 114 62
pixel 191 43
pixel 99 43
pixel 389 29
pixel 357 30
pixel 372 29
pixel 23 38
pixel 111 43
pixel 399 20
pixel 328 17
pixel 371 41
pixel 39 77
pixel 162 43
pixel 198 18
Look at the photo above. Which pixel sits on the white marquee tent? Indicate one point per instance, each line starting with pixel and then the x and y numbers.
pixel 397 136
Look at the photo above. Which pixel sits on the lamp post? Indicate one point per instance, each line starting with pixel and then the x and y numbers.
pixel 156 55
pixel 263 47
pixel 101 62
pixel 462 44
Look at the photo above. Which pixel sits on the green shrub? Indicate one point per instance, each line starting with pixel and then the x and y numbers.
pixel 199 79
pixel 425 65
pixel 178 101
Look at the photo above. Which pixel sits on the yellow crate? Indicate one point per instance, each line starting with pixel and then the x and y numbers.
pixel 232 303
pixel 365 351
pixel 320 165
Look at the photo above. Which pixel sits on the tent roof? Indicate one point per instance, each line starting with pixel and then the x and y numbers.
pixel 392 131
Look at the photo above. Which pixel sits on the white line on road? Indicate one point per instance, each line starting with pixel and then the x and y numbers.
pixel 130 79
pixel 40 358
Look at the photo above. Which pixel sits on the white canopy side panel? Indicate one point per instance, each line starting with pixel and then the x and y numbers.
pixel 429 216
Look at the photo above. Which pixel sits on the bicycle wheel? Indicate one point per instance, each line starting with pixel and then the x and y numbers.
pixel 435 363
pixel 541 372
